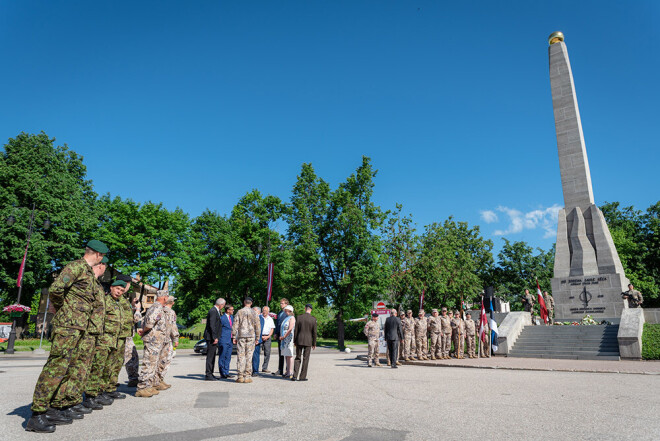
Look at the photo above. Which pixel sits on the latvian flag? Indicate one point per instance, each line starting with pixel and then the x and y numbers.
pixel 421 300
pixel 543 309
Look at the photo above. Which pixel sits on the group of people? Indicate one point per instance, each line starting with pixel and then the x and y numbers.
pixel 92 338
pixel 529 305
pixel 408 337
pixel 252 330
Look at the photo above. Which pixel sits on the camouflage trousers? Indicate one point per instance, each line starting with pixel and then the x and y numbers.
pixel 470 345
pixel 131 360
pixel 106 365
pixel 484 347
pixel 57 379
pixel 459 344
pixel 153 345
pixel 166 356
pixel 115 362
pixel 408 345
pixel 551 316
pixel 373 352
pixel 446 344
pixel 436 344
pixel 244 351
pixel 421 343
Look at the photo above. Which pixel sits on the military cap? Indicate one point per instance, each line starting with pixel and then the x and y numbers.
pixel 434 310
pixel 374 315
pixel 162 293
pixel 105 259
pixel 456 311
pixel 409 311
pixel 309 305
pixel 171 299
pixel 119 283
pixel 468 313
pixel 125 278
pixel 421 311
pixel 444 309
pixel 98 246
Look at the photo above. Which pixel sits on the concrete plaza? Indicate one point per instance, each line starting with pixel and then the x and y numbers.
pixel 345 400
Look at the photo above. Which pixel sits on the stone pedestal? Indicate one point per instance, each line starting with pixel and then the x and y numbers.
pixel 596 295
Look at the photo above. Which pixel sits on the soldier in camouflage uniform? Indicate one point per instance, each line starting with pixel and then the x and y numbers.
pixel 408 324
pixel 131 358
pixel 421 337
pixel 435 331
pixel 153 332
pixel 245 331
pixel 470 332
pixel 458 326
pixel 484 346
pixel 372 331
pixel 528 304
pixel 171 342
pixel 550 306
pixel 634 297
pixel 74 296
pixel 445 325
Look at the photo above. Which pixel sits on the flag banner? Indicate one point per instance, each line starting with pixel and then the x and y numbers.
pixel 19 280
pixel 270 281
pixel 421 300
pixel 543 310
pixel 482 322
pixel 493 327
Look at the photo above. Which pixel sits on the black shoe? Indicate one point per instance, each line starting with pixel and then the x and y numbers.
pixel 116 395
pixel 303 379
pixel 210 378
pixel 277 373
pixel 102 400
pixel 91 403
pixel 224 377
pixel 133 383
pixel 255 375
pixel 80 408
pixel 40 424
pixel 395 367
pixel 293 378
pixel 54 416
pixel 107 397
pixel 70 413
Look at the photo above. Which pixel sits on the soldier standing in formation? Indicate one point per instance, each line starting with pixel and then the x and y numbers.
pixel 528 304
pixel 470 331
pixel 75 298
pixel 408 324
pixel 634 297
pixel 372 331
pixel 459 336
pixel 435 330
pixel 550 306
pixel 171 342
pixel 421 338
pixel 246 330
pixel 445 323
pixel 484 346
pixel 153 332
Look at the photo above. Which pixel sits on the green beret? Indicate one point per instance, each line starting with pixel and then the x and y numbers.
pixel 98 246
pixel 119 283
pixel 105 259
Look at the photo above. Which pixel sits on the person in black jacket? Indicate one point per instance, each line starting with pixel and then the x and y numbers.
pixel 393 333
pixel 212 334
pixel 305 340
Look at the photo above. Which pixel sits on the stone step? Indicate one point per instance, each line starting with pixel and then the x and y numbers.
pixel 568 356
pixel 595 347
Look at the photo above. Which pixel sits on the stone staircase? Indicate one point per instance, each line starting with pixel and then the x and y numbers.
pixel 597 342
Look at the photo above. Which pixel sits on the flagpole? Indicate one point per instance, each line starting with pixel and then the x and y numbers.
pixel 43 327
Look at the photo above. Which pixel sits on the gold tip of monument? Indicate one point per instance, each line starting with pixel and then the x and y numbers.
pixel 556 37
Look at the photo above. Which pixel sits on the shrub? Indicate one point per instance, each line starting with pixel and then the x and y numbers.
pixel 651 342
pixel 352 330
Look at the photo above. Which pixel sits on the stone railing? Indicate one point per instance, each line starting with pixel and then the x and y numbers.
pixel 630 333
pixel 510 329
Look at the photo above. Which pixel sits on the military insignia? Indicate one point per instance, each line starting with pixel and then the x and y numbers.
pixel 66 279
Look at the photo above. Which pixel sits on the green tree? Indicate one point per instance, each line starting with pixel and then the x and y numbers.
pixel 33 170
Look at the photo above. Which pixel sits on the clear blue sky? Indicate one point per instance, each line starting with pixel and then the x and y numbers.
pixel 210 99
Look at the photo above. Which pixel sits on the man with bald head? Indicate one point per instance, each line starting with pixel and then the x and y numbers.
pixel 212 334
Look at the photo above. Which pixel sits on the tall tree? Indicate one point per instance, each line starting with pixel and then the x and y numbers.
pixel 401 248
pixel 33 170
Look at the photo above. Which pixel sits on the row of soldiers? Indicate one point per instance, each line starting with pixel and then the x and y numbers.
pixel 90 332
pixel 442 331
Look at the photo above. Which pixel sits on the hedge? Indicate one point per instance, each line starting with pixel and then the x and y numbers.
pixel 651 342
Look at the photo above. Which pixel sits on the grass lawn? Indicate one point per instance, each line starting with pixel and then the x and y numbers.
pixel 30 344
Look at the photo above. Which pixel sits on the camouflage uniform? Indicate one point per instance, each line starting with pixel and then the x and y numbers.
pixel 131 359
pixel 421 339
pixel 470 332
pixel 550 306
pixel 153 344
pixel 635 298
pixel 171 339
pixel 445 324
pixel 484 347
pixel 245 329
pixel 372 331
pixel 458 334
pixel 76 297
pixel 435 331
pixel 408 325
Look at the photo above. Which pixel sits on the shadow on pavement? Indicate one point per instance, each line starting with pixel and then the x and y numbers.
pixel 24 412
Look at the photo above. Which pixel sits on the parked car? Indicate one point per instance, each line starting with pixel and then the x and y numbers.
pixel 200 348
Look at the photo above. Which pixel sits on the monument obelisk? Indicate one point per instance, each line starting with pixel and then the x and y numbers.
pixel 588 275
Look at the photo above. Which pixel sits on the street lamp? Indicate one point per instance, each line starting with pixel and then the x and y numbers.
pixel 19 281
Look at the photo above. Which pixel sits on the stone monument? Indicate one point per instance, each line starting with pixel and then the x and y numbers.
pixel 588 276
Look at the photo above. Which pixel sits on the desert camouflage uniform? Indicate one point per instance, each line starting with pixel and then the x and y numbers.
pixel 470 331
pixel 153 344
pixel 435 331
pixel 550 306
pixel 372 331
pixel 421 339
pixel 245 329
pixel 131 359
pixel 458 334
pixel 408 325
pixel 171 339
pixel 484 347
pixel 635 298
pixel 445 324
pixel 76 297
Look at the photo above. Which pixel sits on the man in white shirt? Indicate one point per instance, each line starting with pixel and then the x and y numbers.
pixel 266 334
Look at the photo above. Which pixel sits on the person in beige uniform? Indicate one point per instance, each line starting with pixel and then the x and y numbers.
pixel 550 306
pixel 484 346
pixel 445 324
pixel 470 332
pixel 421 336
pixel 372 331
pixel 245 332
pixel 435 331
pixel 408 323
pixel 458 326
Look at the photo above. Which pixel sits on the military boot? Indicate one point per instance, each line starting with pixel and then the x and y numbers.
pixel 368 364
pixel 91 403
pixel 240 380
pixel 69 412
pixel 398 363
pixel 40 424
pixel 54 416
pixel 389 363
pixel 166 385
pixel 116 395
pixel 80 408
pixel 153 390
pixel 432 357
pixel 103 399
pixel 378 363
pixel 144 393
pixel 161 386
pixel 249 380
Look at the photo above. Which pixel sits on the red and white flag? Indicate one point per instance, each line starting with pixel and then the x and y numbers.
pixel 19 280
pixel 483 322
pixel 270 281
pixel 421 300
pixel 542 310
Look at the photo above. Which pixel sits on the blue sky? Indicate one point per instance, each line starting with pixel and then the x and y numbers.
pixel 451 100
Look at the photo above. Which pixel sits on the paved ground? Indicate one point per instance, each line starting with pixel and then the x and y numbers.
pixel 345 400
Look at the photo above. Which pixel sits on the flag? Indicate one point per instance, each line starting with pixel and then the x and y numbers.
pixel 542 308
pixel 421 300
pixel 482 323
pixel 270 281
pixel 493 327
pixel 19 280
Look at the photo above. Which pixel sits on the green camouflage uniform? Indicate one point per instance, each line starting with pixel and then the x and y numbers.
pixel 372 331
pixel 171 338
pixel 245 329
pixel 153 344
pixel 76 294
pixel 131 359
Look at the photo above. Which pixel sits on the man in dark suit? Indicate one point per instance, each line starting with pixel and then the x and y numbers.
pixel 276 336
pixel 393 333
pixel 225 345
pixel 212 336
pixel 305 341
